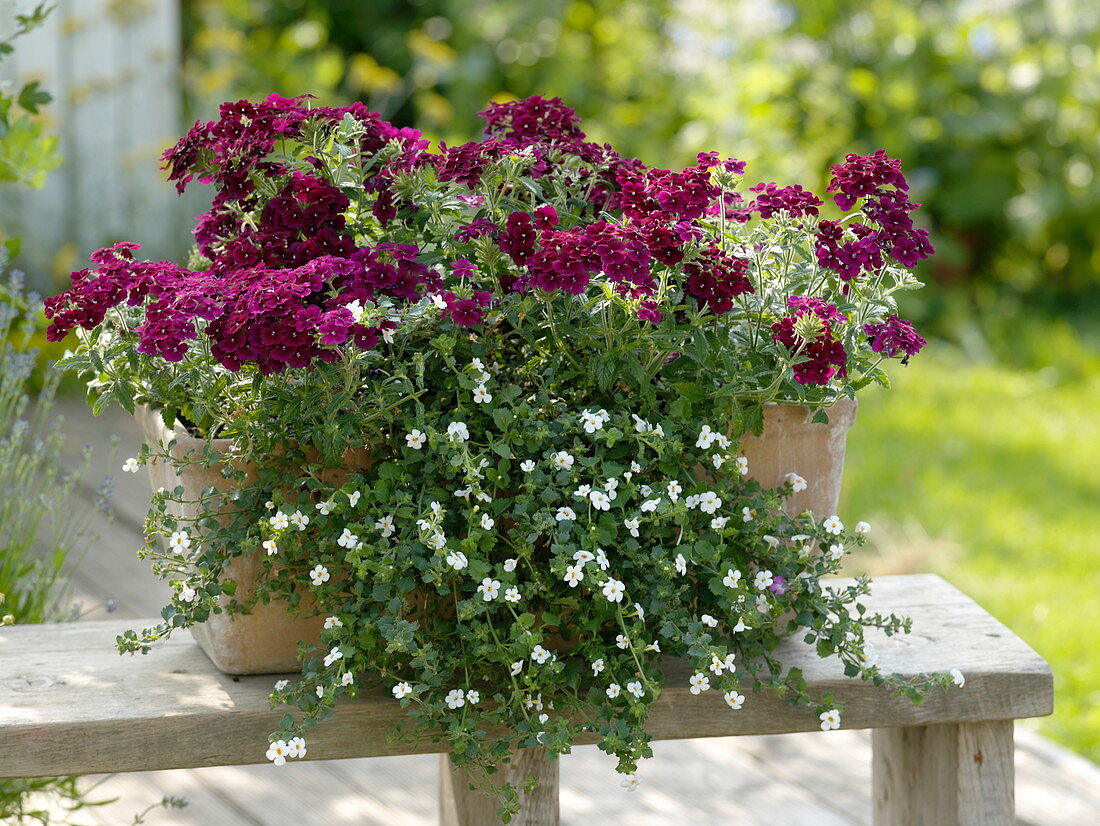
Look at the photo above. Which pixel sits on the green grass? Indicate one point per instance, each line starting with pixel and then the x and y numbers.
pixel 990 476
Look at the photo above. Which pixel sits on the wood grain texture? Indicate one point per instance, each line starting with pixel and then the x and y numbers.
pixel 70 704
pixel 462 804
pixel 944 775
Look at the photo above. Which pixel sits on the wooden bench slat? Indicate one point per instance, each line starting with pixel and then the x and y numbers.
pixel 70 704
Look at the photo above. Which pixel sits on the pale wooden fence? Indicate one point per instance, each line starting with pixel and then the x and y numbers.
pixel 113 67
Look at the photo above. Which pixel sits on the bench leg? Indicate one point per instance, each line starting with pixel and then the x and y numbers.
pixel 461 806
pixel 944 775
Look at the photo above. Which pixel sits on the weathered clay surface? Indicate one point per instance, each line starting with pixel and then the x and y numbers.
pixel 789 443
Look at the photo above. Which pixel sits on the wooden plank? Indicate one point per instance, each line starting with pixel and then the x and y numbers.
pixel 944 775
pixel 69 705
pixel 461 803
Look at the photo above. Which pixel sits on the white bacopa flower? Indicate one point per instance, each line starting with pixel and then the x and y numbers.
pixel 650 505
pixel 333 622
pixel 457 560
pixel 478 364
pixel 179 541
pixel 742 465
pixel 645 491
pixel 716 665
pixel 455 698
pixel 740 626
pixel 269 504
pixel 706 437
pixel 654 646
pixel 747 514
pixel 353 498
pixel 188 594
pixel 630 782
pixel 622 642
pixel 385 526
pixel 863 527
pixel 512 595
pixel 709 502
pixel 640 424
pixel 299 520
pixel 836 551
pixel 733 699
pixel 709 621
pixel 325 508
pixel 658 431
pixel 762 604
pixel 870 655
pixel 416 439
pixel 729 661
pixel 718 523
pixel 540 654
pixel 597 666
pixel 611 485
pixel 833 525
pixel 582 491
pixel 333 655
pixel 692 502
pixel 613 589
pixel 771 541
pixel 674 490
pixel 356 309
pixel 439 301
pixel 636 689
pixel 319 575
pixel 957 677
pixel 681 565
pixel 436 508
pixel 592 421
pixel 632 526
pixel 565 515
pixel 489 588
pixel 613 691
pixel 347 679
pixel 458 432
pixel 278 752
pixel 281 684
pixel 584 557
pixel 487 521
pixel 717 460
pixel 348 540
pixel 732 578
pixel 601 559
pixel 473 697
pixel 573 575
pixel 437 541
pixel 830 719
pixel 517 667
pixel 699 683
pixel 320 692
pixel 638 608
pixel 402 690
pixel 798 484
pixel 527 465
pixel 600 500
pixel 279 521
pixel 635 467
pixel 510 565
pixel 482 395
pixel 762 579
pixel 562 460
pixel 131 465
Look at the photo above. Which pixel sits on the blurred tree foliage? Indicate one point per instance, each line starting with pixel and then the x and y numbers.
pixel 993 105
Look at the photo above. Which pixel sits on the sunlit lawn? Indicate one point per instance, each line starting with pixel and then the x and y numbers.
pixel 990 476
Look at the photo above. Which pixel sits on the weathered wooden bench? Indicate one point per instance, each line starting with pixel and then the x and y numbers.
pixel 70 705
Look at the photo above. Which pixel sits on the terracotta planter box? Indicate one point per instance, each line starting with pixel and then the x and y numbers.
pixel 265 640
pixel 790 443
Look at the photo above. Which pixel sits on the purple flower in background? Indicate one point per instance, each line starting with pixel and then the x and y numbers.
pixel 778 586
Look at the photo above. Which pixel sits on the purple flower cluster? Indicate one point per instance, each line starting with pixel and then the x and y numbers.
pixel 878 181
pixel 468 312
pixel 716 278
pixel 772 198
pixel 826 355
pixel 893 337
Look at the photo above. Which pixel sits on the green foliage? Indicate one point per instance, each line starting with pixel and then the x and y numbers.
pixel 993 105
pixel 27 153
pixel 990 479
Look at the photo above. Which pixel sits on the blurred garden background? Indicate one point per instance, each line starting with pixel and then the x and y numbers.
pixel 980 464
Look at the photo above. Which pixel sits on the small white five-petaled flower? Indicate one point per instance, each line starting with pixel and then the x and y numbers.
pixel 762 579
pixel 455 698
pixel 833 525
pixel 613 691
pixel 636 689
pixel 957 677
pixel 562 460
pixel 798 484
pixel 482 395
pixel 863 527
pixel 733 699
pixel 512 595
pixel 333 622
pixel 278 752
pixel 487 521
pixel 489 588
pixel 574 574
pixel 699 683
pixel 630 782
pixel 732 578
pixel 279 521
pixel 613 589
pixel 742 465
pixel 458 432
pixel 402 690
pixel 131 465
pixel 540 654
pixel 527 465
pixel 681 565
pixel 299 520
pixel 830 719
pixel 457 560
pixel 416 439
pixel 565 515
pixel 319 574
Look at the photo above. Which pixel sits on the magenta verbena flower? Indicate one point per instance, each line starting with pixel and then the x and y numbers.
pixel 893 337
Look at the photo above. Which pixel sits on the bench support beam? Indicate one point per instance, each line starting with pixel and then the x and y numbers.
pixel 459 805
pixel 944 775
